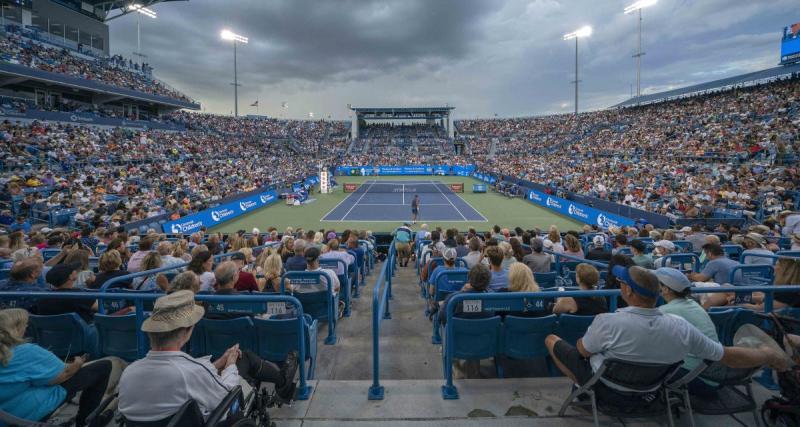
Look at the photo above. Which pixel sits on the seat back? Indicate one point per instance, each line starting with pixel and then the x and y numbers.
pixel 571 327
pixel 474 339
pixel 277 337
pixel 63 334
pixel 635 376
pixel 449 281
pixel 112 306
pixel 723 319
pixel 687 262
pixel 545 280
pixel 219 335
pixel 683 246
pixel 523 337
pixel 568 266
pixel 752 275
pixel 315 303
pixel 117 336
pixel 733 251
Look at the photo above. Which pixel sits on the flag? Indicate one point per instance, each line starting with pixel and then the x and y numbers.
pixel 255 104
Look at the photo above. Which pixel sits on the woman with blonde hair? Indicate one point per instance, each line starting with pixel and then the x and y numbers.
pixel 181 250
pixel 272 269
pixel 287 248
pixel 36 382
pixel 554 237
pixel 520 279
pixel 16 241
pixel 508 255
pixel 670 235
pixel 573 247
pixel 318 236
pixel 110 267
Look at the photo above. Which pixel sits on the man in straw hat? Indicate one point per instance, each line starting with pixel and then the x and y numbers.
pixel 154 388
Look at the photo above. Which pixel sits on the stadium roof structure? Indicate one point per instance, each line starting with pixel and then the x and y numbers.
pixel 100 9
pixel 402 112
pixel 743 80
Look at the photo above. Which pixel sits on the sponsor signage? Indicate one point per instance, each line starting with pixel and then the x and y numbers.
pixel 370 170
pixel 484 177
pixel 219 214
pixel 577 211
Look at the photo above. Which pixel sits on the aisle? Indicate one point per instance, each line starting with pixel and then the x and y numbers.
pixel 406 349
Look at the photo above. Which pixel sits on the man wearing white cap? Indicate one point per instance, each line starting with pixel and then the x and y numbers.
pixel 154 388
pixel 662 249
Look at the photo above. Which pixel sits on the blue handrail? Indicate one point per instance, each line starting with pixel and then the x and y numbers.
pixel 380 310
pixel 303 390
pixel 534 301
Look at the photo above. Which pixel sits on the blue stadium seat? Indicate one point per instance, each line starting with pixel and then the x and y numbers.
pixel 5 273
pixel 473 339
pixel 277 337
pixel 117 336
pixel 49 254
pixel 571 328
pixel 523 337
pixel 683 246
pixel 219 335
pixel 733 251
pixel 723 320
pixel 545 280
pixel 320 305
pixel 66 335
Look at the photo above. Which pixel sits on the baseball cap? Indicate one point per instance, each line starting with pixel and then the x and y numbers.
pixel 256 230
pixel 673 279
pixel 449 254
pixel 666 244
pixel 626 274
pixel 599 240
pixel 59 274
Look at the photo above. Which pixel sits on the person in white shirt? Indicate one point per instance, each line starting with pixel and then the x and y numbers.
pixel 312 256
pixel 165 250
pixel 335 253
pixel 154 388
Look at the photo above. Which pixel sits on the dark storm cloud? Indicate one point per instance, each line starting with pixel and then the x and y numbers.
pixel 484 56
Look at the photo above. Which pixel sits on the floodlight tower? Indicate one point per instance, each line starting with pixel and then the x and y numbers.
pixel 637 7
pixel 141 10
pixel 585 31
pixel 235 38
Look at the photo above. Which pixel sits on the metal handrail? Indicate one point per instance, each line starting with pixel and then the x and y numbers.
pixel 381 295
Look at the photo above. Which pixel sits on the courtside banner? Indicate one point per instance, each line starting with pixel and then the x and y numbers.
pixel 350 187
pixel 369 170
pixel 217 215
pixel 577 211
pixel 484 177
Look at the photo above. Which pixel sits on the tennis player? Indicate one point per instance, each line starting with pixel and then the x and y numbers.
pixel 414 209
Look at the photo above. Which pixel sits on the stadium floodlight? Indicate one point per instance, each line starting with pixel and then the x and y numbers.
pixel 584 31
pixel 236 39
pixel 141 10
pixel 637 7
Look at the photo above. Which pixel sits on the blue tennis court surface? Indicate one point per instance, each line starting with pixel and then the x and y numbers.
pixel 391 201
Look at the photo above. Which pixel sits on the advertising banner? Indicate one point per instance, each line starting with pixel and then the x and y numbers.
pixel 217 215
pixel 484 177
pixel 369 170
pixel 577 211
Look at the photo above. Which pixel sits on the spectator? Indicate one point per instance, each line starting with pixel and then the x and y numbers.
pixel 499 278
pixel 297 262
pixel 663 248
pixel 753 244
pixel 462 249
pixel 273 269
pixel 538 261
pixel 186 281
pixel 555 240
pixel 21 224
pixel 152 281
pixel 573 247
pixel 449 260
pixel 402 239
pixel 166 367
pixel 110 267
pixel 335 253
pixel 86 276
pixel 719 267
pixel 676 291
pixel 312 264
pixel 245 281
pixel 640 257
pixel 474 257
pixel 587 278
pixel 39 380
pixel 62 278
pixel 598 251
pixel 508 254
pixel 520 279
pixel 790 223
pixel 642 333
pixel 201 265
pixel 478 279
pixel 620 242
pixel 165 250
pixel 135 263
pixel 24 276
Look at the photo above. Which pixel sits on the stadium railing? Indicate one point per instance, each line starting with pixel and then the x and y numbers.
pixel 492 303
pixel 381 295
pixel 303 389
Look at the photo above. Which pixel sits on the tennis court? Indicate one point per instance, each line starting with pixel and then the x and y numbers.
pixel 390 201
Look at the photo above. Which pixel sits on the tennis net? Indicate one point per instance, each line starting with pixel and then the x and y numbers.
pixel 411 188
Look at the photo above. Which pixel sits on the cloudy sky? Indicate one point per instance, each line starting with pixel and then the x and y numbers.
pixel 484 57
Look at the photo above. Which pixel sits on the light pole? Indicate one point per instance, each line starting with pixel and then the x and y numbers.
pixel 141 10
pixel 582 32
pixel 638 6
pixel 235 38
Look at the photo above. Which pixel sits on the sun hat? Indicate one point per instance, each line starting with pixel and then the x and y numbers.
pixel 173 311
pixel 673 279
pixel 759 239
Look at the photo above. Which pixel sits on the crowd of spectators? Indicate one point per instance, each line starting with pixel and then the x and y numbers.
pixel 115 70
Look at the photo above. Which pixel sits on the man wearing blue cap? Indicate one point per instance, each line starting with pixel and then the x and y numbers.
pixel 642 333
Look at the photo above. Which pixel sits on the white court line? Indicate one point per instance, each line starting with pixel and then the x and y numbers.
pixel 357 201
pixel 404 194
pixel 473 208
pixel 395 204
pixel 337 205
pixel 451 204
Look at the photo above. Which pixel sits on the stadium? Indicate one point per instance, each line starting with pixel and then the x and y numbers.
pixel 402 227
